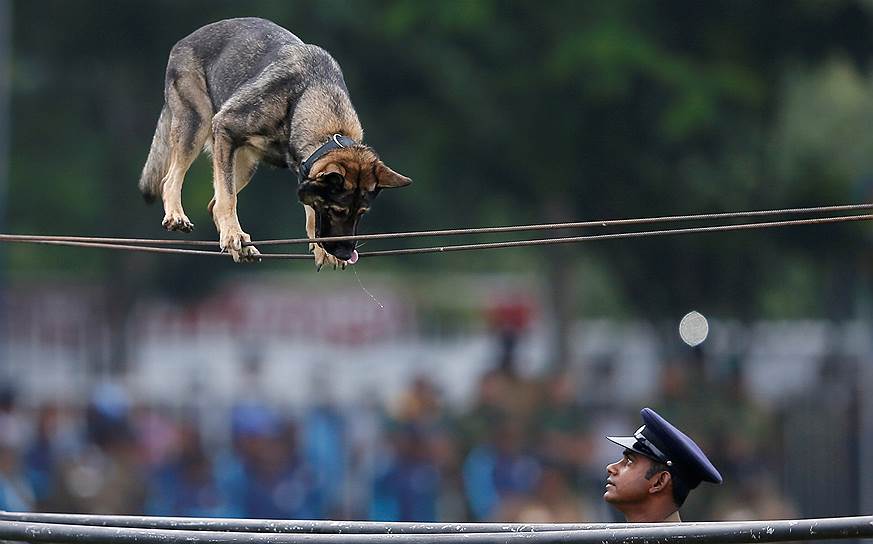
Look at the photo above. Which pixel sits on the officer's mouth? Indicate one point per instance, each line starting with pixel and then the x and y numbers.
pixel 609 483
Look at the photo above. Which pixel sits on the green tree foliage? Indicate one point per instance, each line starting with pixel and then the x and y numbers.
pixel 503 112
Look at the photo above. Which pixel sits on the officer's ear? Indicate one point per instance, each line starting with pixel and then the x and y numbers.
pixel 661 481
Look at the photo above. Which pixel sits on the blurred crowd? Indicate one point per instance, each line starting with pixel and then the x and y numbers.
pixel 524 449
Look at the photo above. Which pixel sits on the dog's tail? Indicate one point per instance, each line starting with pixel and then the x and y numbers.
pixel 158 163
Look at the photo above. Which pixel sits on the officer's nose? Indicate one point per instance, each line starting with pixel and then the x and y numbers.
pixel 612 468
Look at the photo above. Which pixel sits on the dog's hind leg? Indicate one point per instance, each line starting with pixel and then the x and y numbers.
pixel 190 128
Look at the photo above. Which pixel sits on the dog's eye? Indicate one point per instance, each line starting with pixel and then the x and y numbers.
pixel 362 211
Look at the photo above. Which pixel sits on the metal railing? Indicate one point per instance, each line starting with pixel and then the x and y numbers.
pixel 76 528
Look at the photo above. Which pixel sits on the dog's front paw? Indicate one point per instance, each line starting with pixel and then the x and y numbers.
pixel 177 220
pixel 238 244
pixel 322 258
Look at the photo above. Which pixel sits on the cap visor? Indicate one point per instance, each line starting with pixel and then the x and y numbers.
pixel 630 442
pixel 626 441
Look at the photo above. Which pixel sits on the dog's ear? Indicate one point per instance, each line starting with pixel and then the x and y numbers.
pixel 313 191
pixel 387 178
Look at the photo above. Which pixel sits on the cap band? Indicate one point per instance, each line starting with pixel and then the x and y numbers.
pixel 645 442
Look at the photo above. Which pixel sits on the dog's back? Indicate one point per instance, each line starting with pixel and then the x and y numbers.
pixel 206 68
pixel 231 52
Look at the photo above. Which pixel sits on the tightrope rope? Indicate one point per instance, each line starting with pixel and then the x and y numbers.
pixel 78 242
pixel 595 237
pixel 578 224
pixel 147 245
pixel 619 235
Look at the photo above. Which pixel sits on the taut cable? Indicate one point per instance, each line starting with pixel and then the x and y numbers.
pixel 593 237
pixel 147 245
pixel 577 224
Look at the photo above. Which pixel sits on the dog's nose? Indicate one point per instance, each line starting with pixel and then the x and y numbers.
pixel 341 252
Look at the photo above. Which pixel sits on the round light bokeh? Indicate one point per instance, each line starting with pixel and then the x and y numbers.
pixel 693 328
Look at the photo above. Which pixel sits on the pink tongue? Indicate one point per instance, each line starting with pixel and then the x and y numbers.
pixel 354 257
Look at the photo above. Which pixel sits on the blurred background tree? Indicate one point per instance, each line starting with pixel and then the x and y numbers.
pixel 502 113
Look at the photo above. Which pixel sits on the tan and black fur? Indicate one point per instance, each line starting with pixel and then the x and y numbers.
pixel 251 91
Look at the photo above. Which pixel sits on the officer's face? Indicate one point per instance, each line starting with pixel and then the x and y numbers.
pixel 626 481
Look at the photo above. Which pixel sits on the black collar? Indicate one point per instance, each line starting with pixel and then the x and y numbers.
pixel 335 142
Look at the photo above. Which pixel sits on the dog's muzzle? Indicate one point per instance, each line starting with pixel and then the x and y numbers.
pixel 339 251
pixel 344 250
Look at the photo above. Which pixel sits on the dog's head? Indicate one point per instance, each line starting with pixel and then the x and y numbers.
pixel 340 188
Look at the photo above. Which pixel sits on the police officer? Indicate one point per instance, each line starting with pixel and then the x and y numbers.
pixel 658 469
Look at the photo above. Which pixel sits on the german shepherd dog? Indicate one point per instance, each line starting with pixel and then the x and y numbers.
pixel 250 91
